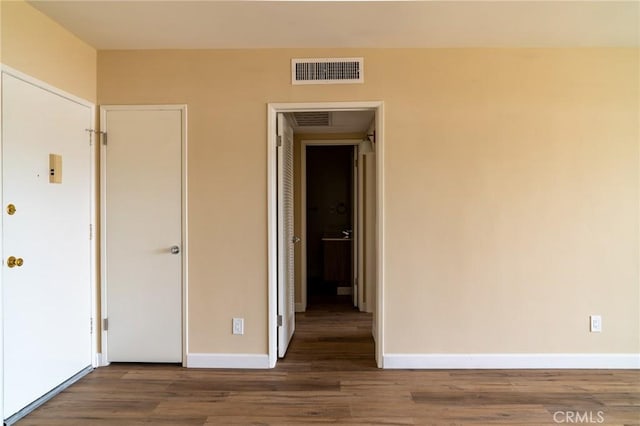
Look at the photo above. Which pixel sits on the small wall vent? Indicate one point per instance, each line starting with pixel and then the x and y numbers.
pixel 312 119
pixel 327 71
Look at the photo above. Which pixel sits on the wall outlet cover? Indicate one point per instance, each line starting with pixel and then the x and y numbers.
pixel 238 326
pixel 595 323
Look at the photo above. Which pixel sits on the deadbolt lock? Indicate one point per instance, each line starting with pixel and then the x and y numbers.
pixel 13 261
pixel 11 209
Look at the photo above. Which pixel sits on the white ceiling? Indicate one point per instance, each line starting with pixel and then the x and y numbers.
pixel 157 24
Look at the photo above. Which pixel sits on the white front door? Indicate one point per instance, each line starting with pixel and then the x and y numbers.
pixel 46 273
pixel 286 284
pixel 142 232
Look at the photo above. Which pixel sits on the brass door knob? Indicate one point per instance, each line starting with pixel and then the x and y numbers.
pixel 13 261
pixel 11 209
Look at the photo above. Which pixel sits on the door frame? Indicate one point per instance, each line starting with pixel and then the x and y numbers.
pixel 93 247
pixel 184 252
pixel 356 236
pixel 272 208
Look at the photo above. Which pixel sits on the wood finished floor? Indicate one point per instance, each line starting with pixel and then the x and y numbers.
pixel 329 377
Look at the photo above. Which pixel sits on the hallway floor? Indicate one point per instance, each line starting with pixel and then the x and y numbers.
pixel 331 336
pixel 329 377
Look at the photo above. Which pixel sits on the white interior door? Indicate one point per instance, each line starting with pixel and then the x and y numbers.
pixel 286 238
pixel 142 232
pixel 46 274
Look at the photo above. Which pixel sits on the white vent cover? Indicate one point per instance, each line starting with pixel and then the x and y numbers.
pixel 327 71
pixel 312 119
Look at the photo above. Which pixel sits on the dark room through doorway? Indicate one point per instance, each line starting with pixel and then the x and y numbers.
pixel 330 211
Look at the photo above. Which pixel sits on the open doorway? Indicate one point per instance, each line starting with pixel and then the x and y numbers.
pixel 331 153
pixel 330 208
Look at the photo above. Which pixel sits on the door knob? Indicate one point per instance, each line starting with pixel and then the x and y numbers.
pixel 11 209
pixel 175 249
pixel 13 261
pixel 295 240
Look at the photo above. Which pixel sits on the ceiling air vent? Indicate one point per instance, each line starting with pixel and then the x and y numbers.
pixel 327 71
pixel 312 119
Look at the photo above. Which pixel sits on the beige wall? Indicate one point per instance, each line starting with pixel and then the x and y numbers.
pixel 1 25
pixel 511 190
pixel 36 45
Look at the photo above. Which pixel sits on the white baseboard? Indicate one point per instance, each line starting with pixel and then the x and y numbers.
pixel 511 361
pixel 200 360
pixel 300 307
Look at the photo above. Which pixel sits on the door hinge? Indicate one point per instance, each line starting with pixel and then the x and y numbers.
pixel 356 165
pixel 104 137
pixel 279 320
pixel 90 325
pixel 96 132
pixel 91 132
pixel 279 140
pixel 91 231
pixel 105 324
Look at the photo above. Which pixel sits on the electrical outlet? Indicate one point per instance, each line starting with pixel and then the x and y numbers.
pixel 238 326
pixel 596 323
